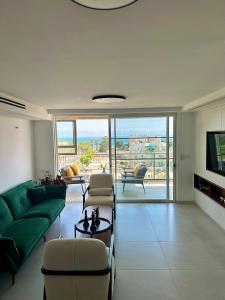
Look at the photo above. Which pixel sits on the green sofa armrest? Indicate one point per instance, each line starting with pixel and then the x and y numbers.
pixel 10 258
pixel 56 191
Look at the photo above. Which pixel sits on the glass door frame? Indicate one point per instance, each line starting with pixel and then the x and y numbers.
pixel 167 115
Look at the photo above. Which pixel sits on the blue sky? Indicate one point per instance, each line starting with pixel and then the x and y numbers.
pixel 125 127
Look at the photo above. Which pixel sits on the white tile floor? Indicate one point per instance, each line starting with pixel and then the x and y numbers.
pixel 163 252
pixel 154 190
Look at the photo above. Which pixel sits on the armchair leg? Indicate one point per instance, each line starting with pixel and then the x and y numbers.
pixel 143 187
pixel 13 278
pixel 114 212
pixel 44 294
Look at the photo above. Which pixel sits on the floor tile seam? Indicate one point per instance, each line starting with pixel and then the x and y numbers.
pixel 179 293
pixel 196 269
pixel 153 227
pixel 164 255
pixel 141 269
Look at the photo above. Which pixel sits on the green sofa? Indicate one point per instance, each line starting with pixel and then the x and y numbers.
pixel 24 220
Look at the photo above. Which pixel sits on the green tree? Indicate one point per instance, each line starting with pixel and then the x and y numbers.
pixel 120 145
pixel 86 159
pixel 104 145
pixel 84 147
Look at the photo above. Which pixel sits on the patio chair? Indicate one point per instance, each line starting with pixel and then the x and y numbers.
pixel 135 177
pixel 100 192
pixel 78 269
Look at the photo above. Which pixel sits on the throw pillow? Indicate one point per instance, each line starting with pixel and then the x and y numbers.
pixel 37 195
pixel 75 169
pixel 137 170
pixel 69 172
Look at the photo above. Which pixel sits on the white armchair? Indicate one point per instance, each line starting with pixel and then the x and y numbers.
pixel 78 269
pixel 100 192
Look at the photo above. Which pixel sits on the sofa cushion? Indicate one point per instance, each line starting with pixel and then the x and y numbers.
pixel 26 233
pixel 50 209
pixel 37 195
pixel 17 199
pixel 5 216
pixel 56 191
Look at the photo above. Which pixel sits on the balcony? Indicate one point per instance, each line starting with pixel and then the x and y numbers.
pixel 155 179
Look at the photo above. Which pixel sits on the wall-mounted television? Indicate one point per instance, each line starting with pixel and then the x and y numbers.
pixel 215 152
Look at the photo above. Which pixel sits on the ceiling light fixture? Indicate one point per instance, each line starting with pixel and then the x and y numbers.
pixel 108 98
pixel 104 4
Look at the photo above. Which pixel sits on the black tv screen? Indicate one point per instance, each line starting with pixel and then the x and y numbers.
pixel 215 156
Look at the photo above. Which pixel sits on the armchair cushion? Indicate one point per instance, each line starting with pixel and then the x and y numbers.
pixel 100 181
pixel 100 192
pixel 76 254
pixel 99 200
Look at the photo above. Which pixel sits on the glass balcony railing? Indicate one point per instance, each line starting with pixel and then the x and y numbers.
pixel 155 162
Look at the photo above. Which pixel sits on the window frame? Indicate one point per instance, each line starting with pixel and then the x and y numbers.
pixel 74 145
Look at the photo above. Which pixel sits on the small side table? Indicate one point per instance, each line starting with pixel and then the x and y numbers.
pixel 104 226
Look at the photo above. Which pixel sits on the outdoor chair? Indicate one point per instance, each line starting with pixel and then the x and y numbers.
pixel 73 179
pixel 78 269
pixel 135 177
pixel 100 192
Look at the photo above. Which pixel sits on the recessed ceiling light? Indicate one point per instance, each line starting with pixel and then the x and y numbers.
pixel 108 98
pixel 104 4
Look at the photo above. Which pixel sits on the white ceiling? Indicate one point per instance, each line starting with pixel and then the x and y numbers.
pixel 159 53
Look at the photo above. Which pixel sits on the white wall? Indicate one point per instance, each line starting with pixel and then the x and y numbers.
pixel 16 153
pixel 208 120
pixel 44 148
pixel 185 156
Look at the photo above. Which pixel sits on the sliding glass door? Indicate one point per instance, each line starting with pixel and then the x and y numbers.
pixel 138 151
pixel 144 145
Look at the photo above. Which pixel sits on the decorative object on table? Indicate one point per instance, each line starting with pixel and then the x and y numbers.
pixel 47 180
pixel 93 226
pixel 86 224
pixel 59 180
pixel 103 166
pixel 97 220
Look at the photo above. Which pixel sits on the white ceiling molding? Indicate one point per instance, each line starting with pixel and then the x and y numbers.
pixel 31 111
pixel 130 111
pixel 208 99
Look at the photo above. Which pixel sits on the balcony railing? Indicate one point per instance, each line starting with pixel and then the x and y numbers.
pixel 156 163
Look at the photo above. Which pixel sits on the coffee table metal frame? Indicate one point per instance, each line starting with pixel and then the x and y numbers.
pixel 79 227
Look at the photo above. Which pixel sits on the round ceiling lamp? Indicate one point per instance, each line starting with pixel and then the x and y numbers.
pixel 104 4
pixel 108 99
